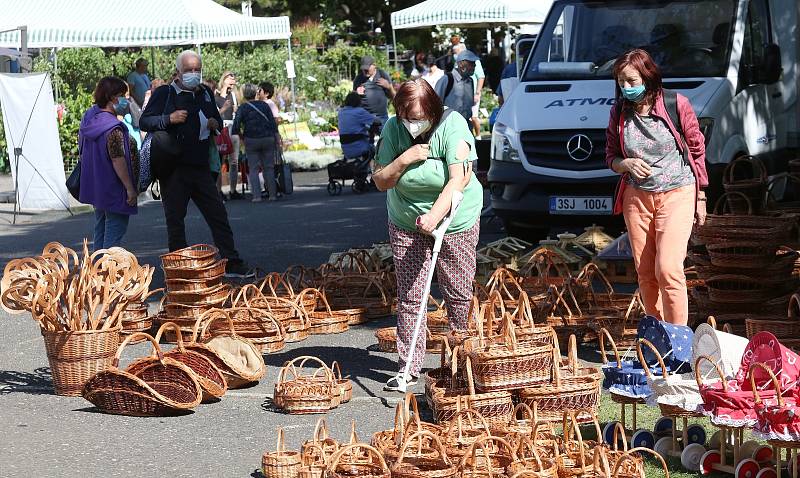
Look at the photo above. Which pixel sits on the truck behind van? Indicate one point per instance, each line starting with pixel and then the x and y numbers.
pixel 735 60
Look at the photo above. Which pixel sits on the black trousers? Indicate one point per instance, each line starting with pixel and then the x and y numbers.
pixel 197 184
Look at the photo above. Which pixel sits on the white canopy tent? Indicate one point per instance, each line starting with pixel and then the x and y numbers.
pixel 119 23
pixel 471 13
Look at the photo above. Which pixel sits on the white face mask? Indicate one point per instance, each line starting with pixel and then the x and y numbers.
pixel 417 127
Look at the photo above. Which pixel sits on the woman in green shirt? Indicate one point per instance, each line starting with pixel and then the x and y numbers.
pixel 424 155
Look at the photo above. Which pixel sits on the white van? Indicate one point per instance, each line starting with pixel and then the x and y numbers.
pixel 736 61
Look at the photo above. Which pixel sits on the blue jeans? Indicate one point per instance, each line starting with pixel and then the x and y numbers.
pixel 109 227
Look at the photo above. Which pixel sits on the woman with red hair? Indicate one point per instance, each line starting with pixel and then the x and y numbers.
pixel 424 155
pixel 663 173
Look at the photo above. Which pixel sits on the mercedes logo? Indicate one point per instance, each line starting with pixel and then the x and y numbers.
pixel 579 147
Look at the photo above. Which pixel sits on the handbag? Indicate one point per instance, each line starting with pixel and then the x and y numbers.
pixel 74 181
pixel 224 142
pixel 283 174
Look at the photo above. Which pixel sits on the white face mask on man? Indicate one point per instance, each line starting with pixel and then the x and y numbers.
pixel 416 127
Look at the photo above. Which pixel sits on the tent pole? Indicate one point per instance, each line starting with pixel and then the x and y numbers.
pixel 153 72
pixel 394 43
pixel 55 71
pixel 291 81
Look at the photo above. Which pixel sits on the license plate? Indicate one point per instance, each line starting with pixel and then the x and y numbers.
pixel 580 205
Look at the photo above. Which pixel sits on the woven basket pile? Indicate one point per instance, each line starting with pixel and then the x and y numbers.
pixel 194 285
pixel 746 273
pixel 469 446
pixel 299 391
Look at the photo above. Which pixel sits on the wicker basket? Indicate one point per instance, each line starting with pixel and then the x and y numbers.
pixel 208 375
pixel 345 385
pixel 720 227
pixel 742 254
pixel 135 318
pixel 419 463
pixel 734 288
pixel 76 356
pixel 752 187
pixel 322 439
pixel 568 393
pixel 497 407
pixel 313 462
pixel 237 357
pixel 151 386
pixel 207 273
pixel 325 321
pixel 510 365
pixel 297 393
pixel 357 460
pixel 192 285
pixel 215 296
pixel 192 257
pixel 281 463
pixel 387 340
pixel 489 456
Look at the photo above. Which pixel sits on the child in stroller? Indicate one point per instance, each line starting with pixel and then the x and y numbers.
pixel 357 130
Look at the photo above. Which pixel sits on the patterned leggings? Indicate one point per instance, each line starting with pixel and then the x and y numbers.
pixel 455 270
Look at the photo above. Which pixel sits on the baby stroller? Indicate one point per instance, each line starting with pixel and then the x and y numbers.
pixel 778 419
pixel 355 169
pixel 731 404
pixel 626 378
pixel 678 395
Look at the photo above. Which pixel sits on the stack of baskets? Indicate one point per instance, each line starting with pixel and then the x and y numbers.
pixel 194 284
pixel 298 391
pixel 744 269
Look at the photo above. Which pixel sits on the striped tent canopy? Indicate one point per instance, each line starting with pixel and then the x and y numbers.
pixel 123 23
pixel 472 13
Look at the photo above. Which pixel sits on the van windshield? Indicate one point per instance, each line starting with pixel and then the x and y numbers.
pixel 581 39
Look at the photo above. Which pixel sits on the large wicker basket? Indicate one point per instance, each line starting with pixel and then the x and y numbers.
pixel 76 356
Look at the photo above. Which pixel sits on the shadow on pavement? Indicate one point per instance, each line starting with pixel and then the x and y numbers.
pixel 39 382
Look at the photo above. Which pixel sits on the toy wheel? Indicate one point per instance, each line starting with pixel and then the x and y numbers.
pixel 747 449
pixel 664 447
pixel 767 472
pixel 707 462
pixel 608 432
pixel 643 438
pixel 696 434
pixel 716 440
pixel 691 456
pixel 762 454
pixel 663 425
pixel 746 469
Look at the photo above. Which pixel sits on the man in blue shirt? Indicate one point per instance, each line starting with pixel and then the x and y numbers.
pixel 354 125
pixel 139 81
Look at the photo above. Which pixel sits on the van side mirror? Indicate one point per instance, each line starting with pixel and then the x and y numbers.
pixel 772 68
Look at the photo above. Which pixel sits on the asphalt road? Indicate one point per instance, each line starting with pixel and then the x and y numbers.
pixel 47 435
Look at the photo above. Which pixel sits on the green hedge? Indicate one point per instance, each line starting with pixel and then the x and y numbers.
pixel 318 74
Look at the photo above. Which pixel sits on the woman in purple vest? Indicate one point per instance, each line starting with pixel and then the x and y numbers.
pixel 107 163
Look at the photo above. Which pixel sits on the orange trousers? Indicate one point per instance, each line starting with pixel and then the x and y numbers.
pixel 659 226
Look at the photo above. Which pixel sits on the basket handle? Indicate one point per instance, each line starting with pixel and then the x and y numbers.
pixel 302 362
pixel 723 200
pixel 645 366
pixel 699 378
pixel 768 197
pixel 572 354
pixel 619 430
pixel 399 423
pixel 571 427
pixel 336 371
pixel 631 455
pixel 207 318
pixel 556 360
pixel 243 295
pixel 178 334
pixel 604 334
pixel 280 447
pixel 589 271
pixel 470 380
pixel 151 293
pixel 321 430
pixel 527 448
pixel 419 435
pixel 752 377
pixel 712 322
pixel 756 165
pixel 137 335
pixel 485 442
pixel 352 448
pixel 309 458
pixel 526 410
pixel 794 306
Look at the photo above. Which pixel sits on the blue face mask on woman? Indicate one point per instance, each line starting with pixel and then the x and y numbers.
pixel 634 93
pixel 121 107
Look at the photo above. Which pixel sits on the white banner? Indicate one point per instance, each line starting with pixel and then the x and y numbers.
pixel 29 118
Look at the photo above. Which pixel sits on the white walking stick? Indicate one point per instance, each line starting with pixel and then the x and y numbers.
pixel 438 236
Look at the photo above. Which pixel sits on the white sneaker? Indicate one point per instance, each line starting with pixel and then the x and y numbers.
pixel 393 384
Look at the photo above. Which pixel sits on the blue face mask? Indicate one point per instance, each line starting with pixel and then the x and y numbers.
pixel 121 107
pixel 634 93
pixel 191 80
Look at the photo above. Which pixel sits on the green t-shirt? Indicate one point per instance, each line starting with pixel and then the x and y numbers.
pixel 421 183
